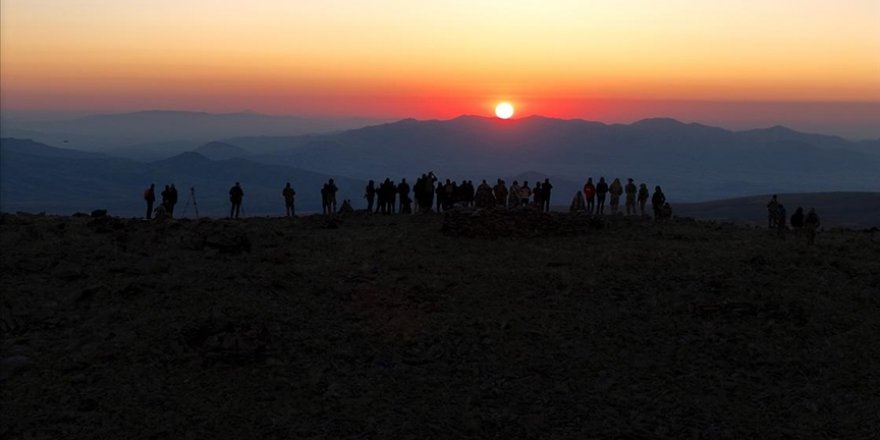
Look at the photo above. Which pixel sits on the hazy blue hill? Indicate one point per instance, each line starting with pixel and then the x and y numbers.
pixel 29 147
pixel 835 209
pixel 220 151
pixel 65 181
pixel 692 161
pixel 169 132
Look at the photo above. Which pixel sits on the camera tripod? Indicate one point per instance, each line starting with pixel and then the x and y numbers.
pixel 192 198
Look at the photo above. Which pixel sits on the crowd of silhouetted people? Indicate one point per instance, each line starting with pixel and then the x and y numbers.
pixel 430 193
pixel 777 216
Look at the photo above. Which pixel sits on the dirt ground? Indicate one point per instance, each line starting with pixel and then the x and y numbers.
pixel 507 326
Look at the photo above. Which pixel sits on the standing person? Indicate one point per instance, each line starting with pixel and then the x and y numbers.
pixel 547 188
pixel 370 195
pixel 235 196
pixel 524 193
pixel 172 199
pixel 616 190
pixel 780 221
pixel 331 196
pixel 513 195
pixel 150 198
pixel 657 201
pixel 500 191
pixel 590 195
pixel 288 193
pixel 772 212
pixel 643 198
pixel 811 224
pixel 797 219
pixel 539 195
pixel 166 197
pixel 405 202
pixel 630 197
pixel 601 190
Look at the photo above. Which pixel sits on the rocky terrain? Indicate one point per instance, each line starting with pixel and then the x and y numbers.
pixel 469 325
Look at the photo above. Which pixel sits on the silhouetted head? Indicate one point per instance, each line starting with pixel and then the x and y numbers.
pixel 288 184
pixel 601 180
pixel 484 182
pixel 237 184
pixel 331 180
pixel 403 180
pixel 546 180
pixel 515 182
pixel 657 188
pixel 630 180
pixel 774 196
pixel 371 182
pixel 589 180
pixel 616 180
pixel 525 183
pixel 644 186
pixel 152 185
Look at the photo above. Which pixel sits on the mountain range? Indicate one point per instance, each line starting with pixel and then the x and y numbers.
pixel 692 162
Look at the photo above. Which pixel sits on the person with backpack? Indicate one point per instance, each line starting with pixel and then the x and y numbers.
pixel 150 198
pixel 616 190
pixel 630 190
pixel 590 195
pixel 235 196
pixel 288 193
pixel 643 198
pixel 657 201
pixel 601 190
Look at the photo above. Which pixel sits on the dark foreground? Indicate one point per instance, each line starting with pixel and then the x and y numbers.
pixel 380 327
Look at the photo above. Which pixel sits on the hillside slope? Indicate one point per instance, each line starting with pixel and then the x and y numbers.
pixel 385 327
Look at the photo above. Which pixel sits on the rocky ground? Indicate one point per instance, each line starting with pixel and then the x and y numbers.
pixel 519 325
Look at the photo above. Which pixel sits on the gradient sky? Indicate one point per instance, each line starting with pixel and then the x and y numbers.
pixel 596 59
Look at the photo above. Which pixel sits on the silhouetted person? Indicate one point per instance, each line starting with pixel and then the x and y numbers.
pixel 590 195
pixel 405 201
pixel 513 195
pixel 150 198
pixel 525 193
pixel 657 201
pixel 811 225
pixel 547 187
pixel 577 203
pixel 538 194
pixel 630 190
pixel 235 196
pixel 172 199
pixel 772 212
pixel 616 190
pixel 643 198
pixel 780 221
pixel 166 196
pixel 797 219
pixel 324 198
pixel 370 195
pixel 601 190
pixel 331 195
pixel 484 197
pixel 500 192
pixel 288 193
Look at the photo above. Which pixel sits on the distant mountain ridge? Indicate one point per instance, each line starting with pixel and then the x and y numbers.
pixel 695 161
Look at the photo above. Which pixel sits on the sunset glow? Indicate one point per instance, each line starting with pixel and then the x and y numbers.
pixel 504 110
pixel 433 59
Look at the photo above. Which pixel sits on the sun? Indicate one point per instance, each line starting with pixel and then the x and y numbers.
pixel 504 110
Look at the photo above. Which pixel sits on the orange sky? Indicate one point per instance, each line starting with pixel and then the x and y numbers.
pixel 432 59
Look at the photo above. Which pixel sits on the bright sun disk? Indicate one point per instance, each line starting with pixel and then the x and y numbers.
pixel 504 110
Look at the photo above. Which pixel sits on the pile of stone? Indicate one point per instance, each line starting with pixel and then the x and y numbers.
pixel 499 223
